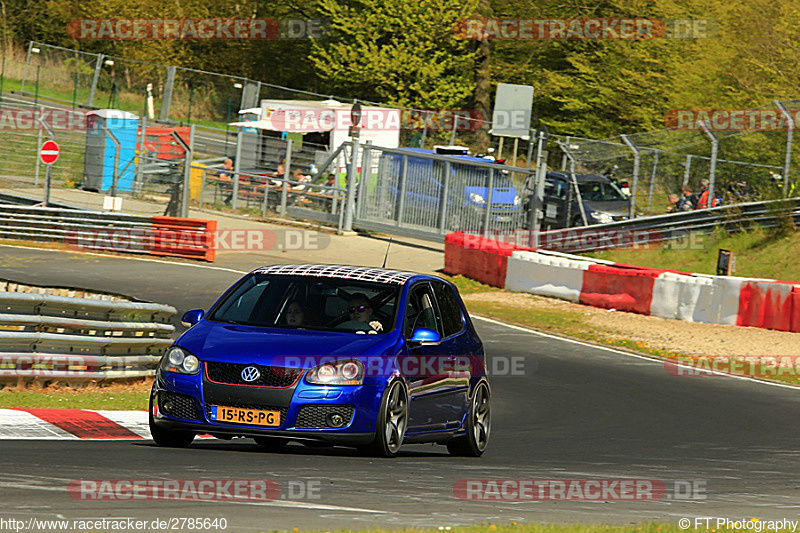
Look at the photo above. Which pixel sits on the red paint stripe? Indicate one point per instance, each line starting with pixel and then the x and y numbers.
pixel 83 424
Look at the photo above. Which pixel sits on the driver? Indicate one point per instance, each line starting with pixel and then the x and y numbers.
pixel 360 310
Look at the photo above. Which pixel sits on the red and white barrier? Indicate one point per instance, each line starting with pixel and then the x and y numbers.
pixel 546 275
pixel 649 291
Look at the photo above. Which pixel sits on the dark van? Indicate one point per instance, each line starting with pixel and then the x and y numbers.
pixel 603 201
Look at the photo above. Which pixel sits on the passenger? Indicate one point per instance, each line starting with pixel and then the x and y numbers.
pixel 360 310
pixel 295 314
pixel 687 202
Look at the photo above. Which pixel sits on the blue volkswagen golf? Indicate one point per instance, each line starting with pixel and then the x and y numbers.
pixel 328 355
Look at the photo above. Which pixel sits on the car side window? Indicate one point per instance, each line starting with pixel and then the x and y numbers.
pixel 421 310
pixel 452 318
pixel 555 188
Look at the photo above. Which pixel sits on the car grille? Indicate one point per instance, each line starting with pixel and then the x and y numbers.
pixel 271 376
pixel 316 416
pixel 282 410
pixel 181 405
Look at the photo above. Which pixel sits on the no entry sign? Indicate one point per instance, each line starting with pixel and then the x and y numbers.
pixel 48 153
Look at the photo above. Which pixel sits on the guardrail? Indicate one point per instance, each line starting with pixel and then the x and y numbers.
pixel 653 229
pixel 100 231
pixel 46 337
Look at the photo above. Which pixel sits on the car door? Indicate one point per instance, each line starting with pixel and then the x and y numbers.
pixel 424 366
pixel 555 202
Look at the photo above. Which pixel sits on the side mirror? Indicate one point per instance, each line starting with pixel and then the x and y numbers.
pixel 190 318
pixel 425 337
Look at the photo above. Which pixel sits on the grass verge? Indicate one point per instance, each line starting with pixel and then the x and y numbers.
pixel 114 397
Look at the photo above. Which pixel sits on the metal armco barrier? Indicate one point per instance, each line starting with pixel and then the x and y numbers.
pixel 48 337
pixel 99 231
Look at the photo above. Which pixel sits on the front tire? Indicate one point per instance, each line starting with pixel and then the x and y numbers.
pixel 479 425
pixel 392 422
pixel 167 438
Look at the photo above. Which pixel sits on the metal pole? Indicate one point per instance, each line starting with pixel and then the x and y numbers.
pixel 445 195
pixel 137 172
pixel 453 133
pixel 652 180
pixel 47 185
pixel 166 94
pixel 363 183
pixel 25 72
pixel 687 167
pixel 712 172
pixel 187 175
pixel 2 75
pixel 787 162
pixel 236 167
pixel 514 155
pixel 95 79
pixel 564 156
pixel 74 89
pixel 637 159
pixel 500 148
pixel 351 188
pixel 574 180
pixel 424 130
pixel 287 171
pixel 488 215
pixel 537 199
pixel 402 201
pixel 36 95
pixel 38 146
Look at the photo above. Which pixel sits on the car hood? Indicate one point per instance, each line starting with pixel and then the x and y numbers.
pixel 233 343
pixel 500 195
pixel 615 208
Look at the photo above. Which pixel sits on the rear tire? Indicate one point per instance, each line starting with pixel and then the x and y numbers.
pixel 479 425
pixel 390 428
pixel 168 438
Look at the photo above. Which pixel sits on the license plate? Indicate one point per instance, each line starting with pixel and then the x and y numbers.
pixel 254 417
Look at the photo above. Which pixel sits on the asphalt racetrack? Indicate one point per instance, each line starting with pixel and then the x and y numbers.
pixel 576 412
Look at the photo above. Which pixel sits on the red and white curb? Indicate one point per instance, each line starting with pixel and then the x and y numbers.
pixel 73 424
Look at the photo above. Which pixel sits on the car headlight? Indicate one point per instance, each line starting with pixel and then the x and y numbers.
pixel 337 373
pixel 603 218
pixel 476 198
pixel 181 361
pixel 517 199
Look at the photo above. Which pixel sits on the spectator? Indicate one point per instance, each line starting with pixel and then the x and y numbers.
pixel 687 202
pixel 278 175
pixel 226 174
pixel 702 202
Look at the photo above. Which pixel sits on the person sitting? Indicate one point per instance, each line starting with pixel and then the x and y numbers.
pixel 298 315
pixel 359 309
pixel 295 314
pixel 226 177
pixel 278 175
pixel 687 202
pixel 702 202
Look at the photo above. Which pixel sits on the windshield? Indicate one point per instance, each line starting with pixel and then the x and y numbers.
pixel 601 191
pixel 310 303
